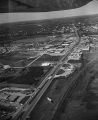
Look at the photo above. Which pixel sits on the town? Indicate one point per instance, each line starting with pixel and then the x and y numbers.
pixel 33 59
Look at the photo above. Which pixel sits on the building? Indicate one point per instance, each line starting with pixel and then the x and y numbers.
pixel 12 99
pixel 74 56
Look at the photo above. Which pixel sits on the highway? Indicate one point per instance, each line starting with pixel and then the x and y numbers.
pixel 71 87
pixel 28 107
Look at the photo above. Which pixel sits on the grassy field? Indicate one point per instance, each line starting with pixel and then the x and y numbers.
pixel 83 104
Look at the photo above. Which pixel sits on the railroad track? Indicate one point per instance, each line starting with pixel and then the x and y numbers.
pixel 46 83
pixel 71 87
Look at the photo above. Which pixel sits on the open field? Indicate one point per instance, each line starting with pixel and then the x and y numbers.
pixel 83 104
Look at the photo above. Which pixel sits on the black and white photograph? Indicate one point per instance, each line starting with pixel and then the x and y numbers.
pixel 48 59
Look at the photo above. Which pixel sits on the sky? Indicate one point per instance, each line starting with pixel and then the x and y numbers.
pixel 89 9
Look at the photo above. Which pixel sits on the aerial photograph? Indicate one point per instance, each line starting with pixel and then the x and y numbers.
pixel 49 60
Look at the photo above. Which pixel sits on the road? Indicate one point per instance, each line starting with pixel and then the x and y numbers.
pixel 28 107
pixel 62 105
